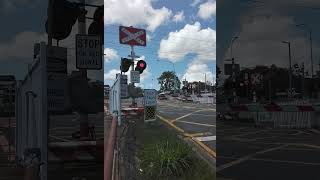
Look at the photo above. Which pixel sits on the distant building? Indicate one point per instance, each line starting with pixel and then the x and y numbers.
pixel 7 95
pixel 106 91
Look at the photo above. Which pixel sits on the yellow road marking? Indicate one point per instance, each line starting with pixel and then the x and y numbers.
pixel 186 115
pixel 200 134
pixel 171 124
pixel 194 123
pixel 210 151
pixel 206 148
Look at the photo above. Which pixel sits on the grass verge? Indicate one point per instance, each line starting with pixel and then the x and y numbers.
pixel 158 143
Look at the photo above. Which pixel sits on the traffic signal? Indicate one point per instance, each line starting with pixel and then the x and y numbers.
pixel 64 16
pixel 96 27
pixel 125 64
pixel 141 65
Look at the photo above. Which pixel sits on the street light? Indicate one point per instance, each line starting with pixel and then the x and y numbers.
pixel 232 41
pixel 233 69
pixel 310 40
pixel 290 70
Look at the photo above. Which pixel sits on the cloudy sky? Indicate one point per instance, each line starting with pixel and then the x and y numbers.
pixel 23 25
pixel 182 33
pixel 261 26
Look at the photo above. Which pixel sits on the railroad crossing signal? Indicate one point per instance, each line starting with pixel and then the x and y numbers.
pixel 256 78
pixel 132 36
pixel 96 27
pixel 125 64
pixel 64 16
pixel 141 66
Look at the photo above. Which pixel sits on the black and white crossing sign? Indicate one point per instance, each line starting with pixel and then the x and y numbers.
pixel 88 52
pixel 135 76
pixel 256 78
pixel 132 36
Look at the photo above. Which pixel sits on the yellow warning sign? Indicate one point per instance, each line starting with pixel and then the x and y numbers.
pixel 150 113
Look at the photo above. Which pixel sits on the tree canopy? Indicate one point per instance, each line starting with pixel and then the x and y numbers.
pixel 169 81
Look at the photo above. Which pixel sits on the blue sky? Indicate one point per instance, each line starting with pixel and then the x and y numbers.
pixel 190 46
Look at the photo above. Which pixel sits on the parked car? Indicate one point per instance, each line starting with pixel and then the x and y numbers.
pixel 162 97
pixel 175 95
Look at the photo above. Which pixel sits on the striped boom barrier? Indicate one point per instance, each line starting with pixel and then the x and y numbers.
pixel 267 108
pixel 280 116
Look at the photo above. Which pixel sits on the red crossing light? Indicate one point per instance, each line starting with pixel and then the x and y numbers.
pixel 141 65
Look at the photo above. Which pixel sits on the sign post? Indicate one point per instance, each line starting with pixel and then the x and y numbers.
pixel 150 104
pixel 133 37
pixel 135 76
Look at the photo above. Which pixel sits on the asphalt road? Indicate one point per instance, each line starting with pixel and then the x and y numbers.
pixel 195 121
pixel 247 152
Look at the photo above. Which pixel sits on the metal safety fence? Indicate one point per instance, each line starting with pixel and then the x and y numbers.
pixel 282 115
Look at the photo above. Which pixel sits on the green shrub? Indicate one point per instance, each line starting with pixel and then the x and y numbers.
pixel 167 158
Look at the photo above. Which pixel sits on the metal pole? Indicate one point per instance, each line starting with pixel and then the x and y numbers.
pixel 50 14
pixel 234 81
pixel 233 70
pixel 205 82
pixel 109 147
pixel 302 87
pixel 132 69
pixel 290 69
pixel 84 123
pixel 311 54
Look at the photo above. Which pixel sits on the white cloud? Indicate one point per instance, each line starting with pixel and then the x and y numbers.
pixel 135 13
pixel 9 6
pixel 195 2
pixel 179 16
pixel 23 43
pixel 207 9
pixel 198 71
pixel 110 54
pixel 260 42
pixel 191 39
pixel 111 75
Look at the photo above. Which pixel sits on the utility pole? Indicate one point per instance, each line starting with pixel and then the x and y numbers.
pixel 311 54
pixel 290 69
pixel 302 87
pixel 50 14
pixel 234 94
pixel 310 41
pixel 205 82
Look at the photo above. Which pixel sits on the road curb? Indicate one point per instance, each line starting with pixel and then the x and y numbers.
pixel 203 153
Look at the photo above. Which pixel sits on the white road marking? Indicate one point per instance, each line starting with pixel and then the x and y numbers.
pixel 194 123
pixel 186 115
pixel 206 138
